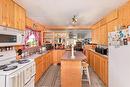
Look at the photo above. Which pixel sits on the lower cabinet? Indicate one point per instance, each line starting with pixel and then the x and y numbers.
pixel 100 65
pixel 42 64
pixel 57 54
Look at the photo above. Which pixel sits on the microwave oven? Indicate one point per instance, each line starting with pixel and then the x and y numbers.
pixel 4 38
pixel 9 37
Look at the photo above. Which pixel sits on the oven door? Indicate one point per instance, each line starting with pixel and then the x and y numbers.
pixel 30 83
pixel 29 72
pixel 2 81
pixel 15 80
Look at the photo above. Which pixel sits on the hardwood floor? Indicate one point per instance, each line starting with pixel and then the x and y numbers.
pixel 52 78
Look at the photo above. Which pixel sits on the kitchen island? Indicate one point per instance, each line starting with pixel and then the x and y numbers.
pixel 71 69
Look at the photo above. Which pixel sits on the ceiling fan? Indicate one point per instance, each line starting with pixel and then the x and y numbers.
pixel 74 20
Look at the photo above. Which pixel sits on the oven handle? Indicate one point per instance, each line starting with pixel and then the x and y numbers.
pixel 30 79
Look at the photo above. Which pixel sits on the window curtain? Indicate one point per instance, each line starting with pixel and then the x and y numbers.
pixel 29 32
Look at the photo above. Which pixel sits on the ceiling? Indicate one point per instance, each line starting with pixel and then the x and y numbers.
pixel 60 12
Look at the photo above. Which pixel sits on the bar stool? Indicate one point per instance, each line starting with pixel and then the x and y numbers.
pixel 86 72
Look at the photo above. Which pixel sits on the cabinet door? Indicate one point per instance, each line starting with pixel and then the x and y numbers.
pixel 12 14
pixel 124 12
pixel 55 56
pixel 1 4
pixel 104 70
pixel 98 35
pixel 4 12
pixel 103 35
pixel 112 25
pixel 23 18
pixel 112 16
pixel 97 64
pixel 16 23
pixel 91 59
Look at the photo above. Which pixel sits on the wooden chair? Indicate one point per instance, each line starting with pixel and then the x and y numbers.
pixel 86 72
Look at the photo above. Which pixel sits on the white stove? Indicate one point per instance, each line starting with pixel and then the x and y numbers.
pixel 16 73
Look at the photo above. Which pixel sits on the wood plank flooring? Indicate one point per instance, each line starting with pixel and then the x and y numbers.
pixel 52 78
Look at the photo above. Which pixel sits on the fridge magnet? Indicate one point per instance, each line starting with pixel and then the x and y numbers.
pixel 125 41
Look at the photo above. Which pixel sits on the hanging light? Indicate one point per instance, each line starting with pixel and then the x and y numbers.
pixel 74 19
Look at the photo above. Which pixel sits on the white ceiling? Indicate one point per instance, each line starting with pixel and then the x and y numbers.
pixel 60 12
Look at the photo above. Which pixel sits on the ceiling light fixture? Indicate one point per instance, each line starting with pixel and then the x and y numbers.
pixel 74 19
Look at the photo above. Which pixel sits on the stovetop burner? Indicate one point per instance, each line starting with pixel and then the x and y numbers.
pixel 3 67
pixel 10 68
pixel 13 64
pixel 23 61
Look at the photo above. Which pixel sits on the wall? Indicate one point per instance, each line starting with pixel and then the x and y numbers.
pixel 85 33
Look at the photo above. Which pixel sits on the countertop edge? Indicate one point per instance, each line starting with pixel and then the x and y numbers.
pixel 98 53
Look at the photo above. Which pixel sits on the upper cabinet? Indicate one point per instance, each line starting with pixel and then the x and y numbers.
pixel 103 21
pixel 124 14
pixel 34 25
pixel 116 18
pixel 12 15
pixel 112 25
pixel 1 12
pixel 103 35
pixel 112 16
pixel 19 17
pixel 29 23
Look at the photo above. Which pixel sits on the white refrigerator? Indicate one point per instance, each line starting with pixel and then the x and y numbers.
pixel 119 58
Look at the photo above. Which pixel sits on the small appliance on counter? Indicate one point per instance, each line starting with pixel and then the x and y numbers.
pixel 78 46
pixel 42 49
pixel 59 46
pixel 49 46
pixel 101 49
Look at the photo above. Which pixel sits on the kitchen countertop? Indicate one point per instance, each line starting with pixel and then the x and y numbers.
pixel 34 56
pixel 98 53
pixel 79 56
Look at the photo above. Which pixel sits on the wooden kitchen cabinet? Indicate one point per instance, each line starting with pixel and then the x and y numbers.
pixel 100 65
pixel 19 19
pixel 112 25
pixel 104 70
pixel 124 12
pixel 92 59
pixel 12 15
pixel 1 5
pixel 4 12
pixel 57 54
pixel 42 64
pixel 103 35
pixel 97 64
pixel 112 16
pixel 39 68
pixel 29 22
pixel 71 74
pixel 103 21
